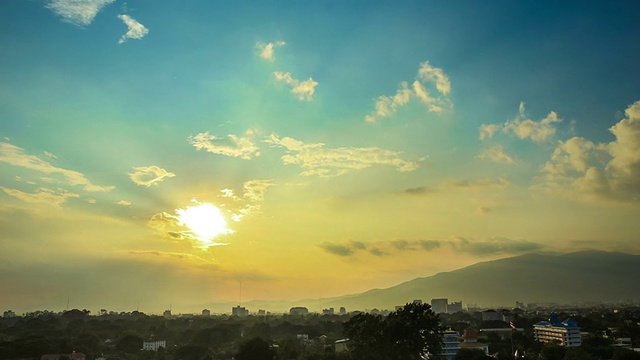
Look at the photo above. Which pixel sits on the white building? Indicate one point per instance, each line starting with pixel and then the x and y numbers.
pixel 154 345
pixel 566 332
pixel 454 307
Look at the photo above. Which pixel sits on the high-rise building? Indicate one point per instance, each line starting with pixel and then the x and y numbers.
pixel 329 311
pixel 454 307
pixel 439 306
pixel 343 310
pixel 239 311
pixel 566 333
pixel 450 344
pixel 206 312
pixel 298 310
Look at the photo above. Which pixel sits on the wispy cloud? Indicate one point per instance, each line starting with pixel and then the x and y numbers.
pixel 77 12
pixel 524 128
pixel 302 89
pixel 135 29
pixel 16 156
pixel 428 78
pixel 42 196
pixel 315 159
pixel 232 145
pixel 149 175
pixel 123 203
pixel 496 154
pixel 252 197
pixel 267 50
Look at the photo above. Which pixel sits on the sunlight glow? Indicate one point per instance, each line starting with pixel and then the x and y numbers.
pixel 205 222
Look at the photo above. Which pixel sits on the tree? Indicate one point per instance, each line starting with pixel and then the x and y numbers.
pixel 406 334
pixel 255 349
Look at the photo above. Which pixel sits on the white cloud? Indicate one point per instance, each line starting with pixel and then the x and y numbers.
pixel 428 76
pixel 123 203
pixel 587 170
pixel 303 89
pixel 232 145
pixel 267 50
pixel 42 196
pixel 135 29
pixel 523 128
pixel 16 156
pixel 315 159
pixel 428 73
pixel 496 154
pixel 149 175
pixel 77 12
pixel 625 151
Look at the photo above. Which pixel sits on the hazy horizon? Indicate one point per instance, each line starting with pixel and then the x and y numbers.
pixel 157 153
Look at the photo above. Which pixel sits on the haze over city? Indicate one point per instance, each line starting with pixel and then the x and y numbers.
pixel 163 153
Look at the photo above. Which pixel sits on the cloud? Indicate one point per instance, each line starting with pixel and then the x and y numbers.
pixel 428 76
pixel 123 203
pixel 496 154
pixel 347 248
pixel 315 159
pixel 419 190
pixel 232 145
pixel 252 197
pixel 494 245
pixel 524 128
pixel 380 248
pixel 16 156
pixel 135 29
pixel 77 12
pixel 267 50
pixel 42 196
pixel 589 171
pixel 149 175
pixel 303 89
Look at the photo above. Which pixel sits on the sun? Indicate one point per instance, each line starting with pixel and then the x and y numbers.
pixel 204 220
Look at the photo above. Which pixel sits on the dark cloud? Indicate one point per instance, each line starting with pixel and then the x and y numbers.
pixel 419 190
pixel 377 252
pixel 429 245
pixel 496 245
pixel 336 249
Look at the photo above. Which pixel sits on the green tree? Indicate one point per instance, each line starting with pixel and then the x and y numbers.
pixel 255 349
pixel 405 334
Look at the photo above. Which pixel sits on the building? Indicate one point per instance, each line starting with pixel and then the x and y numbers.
pixel 454 307
pixel 341 345
pixel 489 315
pixel 417 302
pixel 298 310
pixel 566 333
pixel 167 314
pixel 439 306
pixel 240 311
pixel 450 344
pixel 343 310
pixel 470 341
pixel 9 314
pixel 154 345
pixel 329 311
pixel 206 312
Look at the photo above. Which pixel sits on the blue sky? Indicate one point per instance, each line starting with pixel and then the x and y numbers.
pixel 372 142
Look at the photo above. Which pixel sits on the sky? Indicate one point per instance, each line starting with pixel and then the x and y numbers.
pixel 165 153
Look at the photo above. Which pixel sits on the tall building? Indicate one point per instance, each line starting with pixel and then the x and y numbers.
pixel 439 306
pixel 566 332
pixel 343 310
pixel 298 310
pixel 239 311
pixel 329 311
pixel 454 307
pixel 206 312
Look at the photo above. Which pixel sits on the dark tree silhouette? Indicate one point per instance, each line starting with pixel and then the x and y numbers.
pixel 406 334
pixel 255 349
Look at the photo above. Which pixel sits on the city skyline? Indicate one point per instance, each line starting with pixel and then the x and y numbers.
pixel 156 153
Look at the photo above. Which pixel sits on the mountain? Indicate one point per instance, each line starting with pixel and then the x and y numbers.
pixel 588 276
